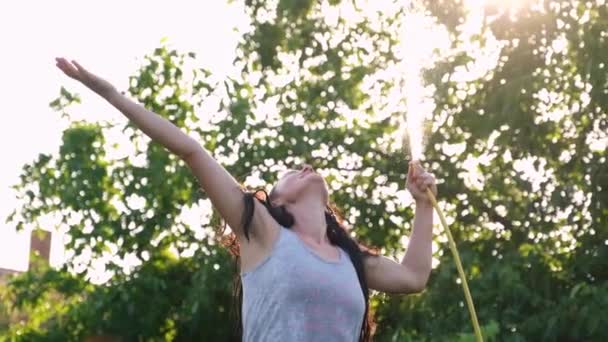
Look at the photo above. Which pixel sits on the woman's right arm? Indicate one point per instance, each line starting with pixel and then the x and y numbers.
pixel 223 190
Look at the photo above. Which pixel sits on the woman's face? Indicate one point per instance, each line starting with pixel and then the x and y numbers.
pixel 295 184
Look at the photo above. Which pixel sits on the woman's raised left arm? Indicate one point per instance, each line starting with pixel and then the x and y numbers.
pixel 411 275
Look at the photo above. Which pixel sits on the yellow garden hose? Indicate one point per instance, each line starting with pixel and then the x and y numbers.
pixel 465 286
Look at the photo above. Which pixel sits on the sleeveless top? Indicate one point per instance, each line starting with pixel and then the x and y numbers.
pixel 296 295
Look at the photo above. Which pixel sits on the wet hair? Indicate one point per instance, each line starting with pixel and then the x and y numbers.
pixel 337 233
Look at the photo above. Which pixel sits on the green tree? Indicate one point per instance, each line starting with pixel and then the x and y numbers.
pixel 534 243
pixel 312 88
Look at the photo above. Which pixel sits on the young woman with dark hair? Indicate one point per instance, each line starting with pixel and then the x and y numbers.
pixel 303 277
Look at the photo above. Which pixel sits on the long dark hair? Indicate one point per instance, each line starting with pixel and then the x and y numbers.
pixel 337 234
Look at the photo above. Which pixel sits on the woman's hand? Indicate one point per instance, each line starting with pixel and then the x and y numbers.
pixel 92 81
pixel 418 181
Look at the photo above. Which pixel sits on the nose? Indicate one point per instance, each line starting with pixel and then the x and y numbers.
pixel 307 167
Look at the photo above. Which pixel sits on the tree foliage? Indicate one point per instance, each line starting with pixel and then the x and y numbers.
pixel 523 177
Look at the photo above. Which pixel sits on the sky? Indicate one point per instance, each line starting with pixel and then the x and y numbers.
pixel 110 38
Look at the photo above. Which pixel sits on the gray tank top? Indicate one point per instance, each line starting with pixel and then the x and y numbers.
pixel 296 295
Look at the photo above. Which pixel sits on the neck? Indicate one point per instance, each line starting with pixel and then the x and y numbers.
pixel 309 214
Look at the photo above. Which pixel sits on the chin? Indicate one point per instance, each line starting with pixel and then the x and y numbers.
pixel 315 178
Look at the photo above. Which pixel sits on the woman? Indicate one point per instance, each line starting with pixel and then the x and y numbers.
pixel 304 277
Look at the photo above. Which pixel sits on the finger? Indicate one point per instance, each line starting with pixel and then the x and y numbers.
pixel 419 169
pixel 410 172
pixel 78 66
pixel 71 70
pixel 58 61
pixel 64 65
pixel 413 176
pixel 429 178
